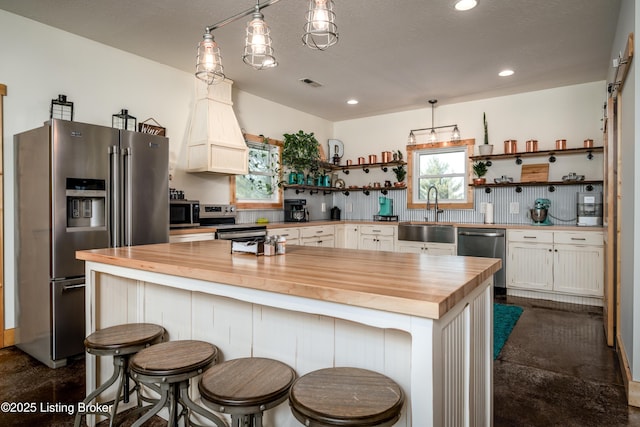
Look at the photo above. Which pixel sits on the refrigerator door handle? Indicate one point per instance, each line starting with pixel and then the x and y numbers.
pixel 115 196
pixel 67 288
pixel 126 196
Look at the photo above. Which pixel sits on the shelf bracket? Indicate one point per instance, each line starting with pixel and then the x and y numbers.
pixel 552 188
pixel 518 160
pixel 518 189
pixel 346 193
pixel 385 191
pixel 590 155
pixel 325 192
pixel 298 191
pixel 311 192
pixel 489 163
pixel 384 168
pixel 365 169
pixel 346 171
pixel 552 159
pixel 589 187
pixel 487 190
pixel 366 192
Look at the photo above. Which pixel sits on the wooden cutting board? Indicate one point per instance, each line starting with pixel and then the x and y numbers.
pixel 538 172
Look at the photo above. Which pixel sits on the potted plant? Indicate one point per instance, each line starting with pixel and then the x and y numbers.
pixel 480 170
pixel 485 149
pixel 400 173
pixel 300 153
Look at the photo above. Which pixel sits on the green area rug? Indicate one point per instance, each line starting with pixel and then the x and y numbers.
pixel 504 319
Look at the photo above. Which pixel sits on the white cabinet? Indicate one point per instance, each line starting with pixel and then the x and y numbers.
pixel 347 236
pixel 377 237
pixel 556 263
pixel 318 235
pixel 292 234
pixel 192 237
pixel 426 248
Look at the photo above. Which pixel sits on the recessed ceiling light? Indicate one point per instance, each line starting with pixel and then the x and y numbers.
pixel 506 73
pixel 352 101
pixel 463 5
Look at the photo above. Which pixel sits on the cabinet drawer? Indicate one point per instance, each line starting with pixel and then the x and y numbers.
pixel 319 230
pixel 385 230
pixel 593 238
pixel 288 233
pixel 532 236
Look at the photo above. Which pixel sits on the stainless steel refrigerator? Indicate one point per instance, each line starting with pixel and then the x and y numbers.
pixel 78 186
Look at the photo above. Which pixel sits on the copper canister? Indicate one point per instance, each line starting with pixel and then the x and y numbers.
pixel 361 160
pixel 561 144
pixel 349 162
pixel 532 145
pixel 373 158
pixel 588 143
pixel 510 146
pixel 386 156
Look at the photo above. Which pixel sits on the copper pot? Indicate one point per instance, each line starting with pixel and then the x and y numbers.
pixel 561 144
pixel 532 145
pixel 386 156
pixel 349 162
pixel 361 160
pixel 588 143
pixel 373 158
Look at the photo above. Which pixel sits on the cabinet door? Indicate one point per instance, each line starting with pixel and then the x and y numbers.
pixel 385 243
pixel 578 269
pixel 442 249
pixel 410 247
pixel 530 266
pixel 368 242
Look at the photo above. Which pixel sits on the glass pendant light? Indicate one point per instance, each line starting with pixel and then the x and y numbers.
pixel 432 134
pixel 209 62
pixel 412 139
pixel 320 31
pixel 258 52
pixel 455 135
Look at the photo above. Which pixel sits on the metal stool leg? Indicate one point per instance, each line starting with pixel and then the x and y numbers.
pixel 116 373
pixel 164 397
pixel 191 405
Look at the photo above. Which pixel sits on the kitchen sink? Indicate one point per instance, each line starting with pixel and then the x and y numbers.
pixel 433 233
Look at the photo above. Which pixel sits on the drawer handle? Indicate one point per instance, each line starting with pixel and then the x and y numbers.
pixel 578 238
pixel 530 237
pixel 285 234
pixel 377 231
pixel 319 232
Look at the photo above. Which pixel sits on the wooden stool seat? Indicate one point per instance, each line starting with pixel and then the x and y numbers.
pixel 120 341
pixel 123 339
pixel 246 387
pixel 346 397
pixel 170 365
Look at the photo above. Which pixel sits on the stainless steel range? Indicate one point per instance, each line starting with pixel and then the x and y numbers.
pixel 223 218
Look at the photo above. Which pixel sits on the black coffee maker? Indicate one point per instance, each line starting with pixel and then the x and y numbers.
pixel 295 210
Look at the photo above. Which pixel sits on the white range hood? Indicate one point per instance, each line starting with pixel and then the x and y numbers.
pixel 216 143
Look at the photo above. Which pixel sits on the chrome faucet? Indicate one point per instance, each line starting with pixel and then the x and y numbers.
pixel 435 209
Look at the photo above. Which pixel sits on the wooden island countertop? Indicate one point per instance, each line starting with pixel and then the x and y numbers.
pixel 413 284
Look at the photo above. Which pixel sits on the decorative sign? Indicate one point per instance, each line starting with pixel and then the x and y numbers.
pixel 145 127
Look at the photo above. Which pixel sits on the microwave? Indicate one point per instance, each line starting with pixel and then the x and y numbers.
pixel 184 213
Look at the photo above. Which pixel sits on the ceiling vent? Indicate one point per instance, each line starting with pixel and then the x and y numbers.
pixel 310 82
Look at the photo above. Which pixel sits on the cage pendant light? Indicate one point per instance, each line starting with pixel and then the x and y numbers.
pixel 258 52
pixel 320 31
pixel 208 61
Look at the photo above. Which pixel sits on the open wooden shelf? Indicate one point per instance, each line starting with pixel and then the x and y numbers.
pixel 551 184
pixel 551 153
pixel 366 167
pixel 312 189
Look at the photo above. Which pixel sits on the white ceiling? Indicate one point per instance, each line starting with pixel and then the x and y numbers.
pixel 393 55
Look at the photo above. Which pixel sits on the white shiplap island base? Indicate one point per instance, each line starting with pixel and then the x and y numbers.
pixel 424 321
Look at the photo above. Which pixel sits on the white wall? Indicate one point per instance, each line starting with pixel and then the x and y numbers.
pixel 39 62
pixel 573 113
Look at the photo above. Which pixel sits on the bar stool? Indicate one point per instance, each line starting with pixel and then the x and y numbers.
pixel 345 397
pixel 120 341
pixel 245 388
pixel 170 365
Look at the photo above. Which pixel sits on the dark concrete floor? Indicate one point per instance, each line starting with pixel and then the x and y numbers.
pixel 554 370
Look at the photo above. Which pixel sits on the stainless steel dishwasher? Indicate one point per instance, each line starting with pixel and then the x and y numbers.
pixel 486 243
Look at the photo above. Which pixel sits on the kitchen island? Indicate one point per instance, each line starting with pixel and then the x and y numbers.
pixel 424 321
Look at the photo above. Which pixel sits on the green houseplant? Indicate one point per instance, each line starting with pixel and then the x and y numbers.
pixel 399 170
pixel 485 149
pixel 300 154
pixel 480 170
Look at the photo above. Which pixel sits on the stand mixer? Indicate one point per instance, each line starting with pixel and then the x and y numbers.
pixel 540 212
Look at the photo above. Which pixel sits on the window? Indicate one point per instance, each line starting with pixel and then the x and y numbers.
pixel 259 188
pixel 444 165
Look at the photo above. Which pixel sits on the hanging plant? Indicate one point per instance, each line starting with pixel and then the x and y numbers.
pixel 300 154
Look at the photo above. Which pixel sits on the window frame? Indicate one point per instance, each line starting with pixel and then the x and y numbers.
pixel 278 204
pixel 412 150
